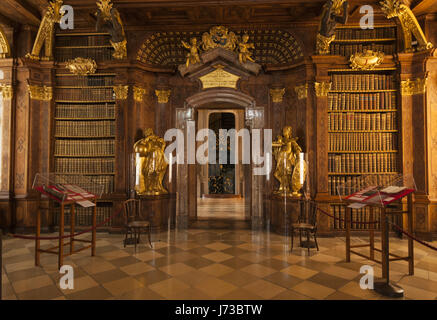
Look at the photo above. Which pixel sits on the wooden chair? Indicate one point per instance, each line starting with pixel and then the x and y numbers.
pixel 306 223
pixel 133 222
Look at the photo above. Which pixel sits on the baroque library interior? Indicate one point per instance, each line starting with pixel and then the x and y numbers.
pixel 255 150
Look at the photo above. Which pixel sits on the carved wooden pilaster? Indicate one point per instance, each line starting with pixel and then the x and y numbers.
pixel 7 138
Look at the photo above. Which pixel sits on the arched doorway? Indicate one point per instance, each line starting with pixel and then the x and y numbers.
pixel 190 180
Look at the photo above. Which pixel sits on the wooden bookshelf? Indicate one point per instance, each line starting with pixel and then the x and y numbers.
pixel 363 120
pixel 349 40
pixel 85 121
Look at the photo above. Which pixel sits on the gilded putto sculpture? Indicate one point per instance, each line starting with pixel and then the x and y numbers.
pixel 289 170
pixel 219 37
pixel 151 164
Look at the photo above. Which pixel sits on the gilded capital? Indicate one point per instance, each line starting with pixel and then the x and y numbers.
pixel 322 88
pixel 43 93
pixel 121 92
pixel 302 91
pixel 163 95
pixel 139 93
pixel 7 91
pixel 412 87
pixel 277 95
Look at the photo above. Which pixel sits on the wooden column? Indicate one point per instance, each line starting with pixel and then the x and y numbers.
pixel 418 134
pixel 7 80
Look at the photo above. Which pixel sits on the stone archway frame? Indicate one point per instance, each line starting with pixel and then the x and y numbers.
pixel 187 174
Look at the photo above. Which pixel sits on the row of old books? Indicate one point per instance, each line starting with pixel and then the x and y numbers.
pixel 84 216
pixel 90 81
pixel 94 184
pixel 362 141
pixel 97 54
pixel 85 94
pixel 350 49
pixel 361 82
pixel 103 128
pixel 346 185
pixel 82 41
pixel 360 218
pixel 84 148
pixel 99 166
pixel 362 101
pixel 358 33
pixel 80 111
pixel 362 163
pixel 362 121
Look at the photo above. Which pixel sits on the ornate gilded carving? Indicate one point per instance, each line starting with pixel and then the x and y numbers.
pixel 366 60
pixel 121 92
pixel 322 88
pixel 334 12
pixel 288 166
pixel 7 91
pixel 302 91
pixel 43 93
pixel 412 87
pixel 82 66
pixel 151 164
pixel 272 46
pixel 109 20
pixel 277 94
pixel 409 23
pixel 219 78
pixel 5 49
pixel 192 56
pixel 46 32
pixel 139 93
pixel 219 37
pixel 163 95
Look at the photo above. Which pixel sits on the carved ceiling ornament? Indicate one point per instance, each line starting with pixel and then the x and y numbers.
pixel 302 91
pixel 409 23
pixel 45 34
pixel 163 95
pixel 43 93
pixel 7 91
pixel 121 92
pixel 412 87
pixel 81 66
pixel 367 60
pixel 272 47
pixel 139 93
pixel 322 88
pixel 277 94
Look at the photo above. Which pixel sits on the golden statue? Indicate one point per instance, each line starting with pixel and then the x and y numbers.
pixel 109 20
pixel 290 172
pixel 193 55
pixel 409 23
pixel 244 47
pixel 152 164
pixel 46 31
pixel 334 12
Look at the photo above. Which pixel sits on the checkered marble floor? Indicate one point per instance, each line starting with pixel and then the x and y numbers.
pixel 209 264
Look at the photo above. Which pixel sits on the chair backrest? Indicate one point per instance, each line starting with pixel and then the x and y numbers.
pixel 131 210
pixel 312 213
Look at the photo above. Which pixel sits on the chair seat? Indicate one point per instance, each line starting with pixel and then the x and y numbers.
pixel 303 226
pixel 138 224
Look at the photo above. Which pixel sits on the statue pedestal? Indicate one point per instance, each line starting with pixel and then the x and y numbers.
pixel 282 212
pixel 159 210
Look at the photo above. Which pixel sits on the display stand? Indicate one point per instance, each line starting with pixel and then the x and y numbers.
pixel 58 189
pixel 380 197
